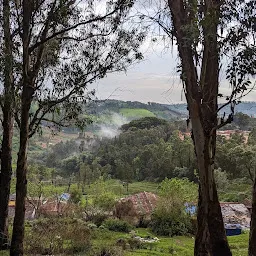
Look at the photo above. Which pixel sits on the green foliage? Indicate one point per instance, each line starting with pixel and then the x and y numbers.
pixel 221 179
pixel 105 201
pixel 181 189
pixel 236 158
pixel 75 196
pixel 166 223
pixel 170 218
pixel 117 225
pixel 144 123
pixel 150 154
pixel 252 137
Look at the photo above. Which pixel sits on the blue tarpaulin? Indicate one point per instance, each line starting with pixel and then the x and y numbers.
pixel 191 209
pixel 64 196
pixel 233 229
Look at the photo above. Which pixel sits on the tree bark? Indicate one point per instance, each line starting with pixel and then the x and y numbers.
pixel 252 238
pixel 211 237
pixel 21 174
pixel 7 109
pixel 26 99
pixel 5 176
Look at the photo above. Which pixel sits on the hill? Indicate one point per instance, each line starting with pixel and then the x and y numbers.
pixel 165 111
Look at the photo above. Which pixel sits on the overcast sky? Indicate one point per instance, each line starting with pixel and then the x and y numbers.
pixel 154 79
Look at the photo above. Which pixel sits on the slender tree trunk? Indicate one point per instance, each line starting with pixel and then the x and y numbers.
pixel 252 239
pixel 21 174
pixel 26 99
pixel 5 177
pixel 6 151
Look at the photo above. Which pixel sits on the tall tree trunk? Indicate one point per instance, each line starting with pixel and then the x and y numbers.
pixel 211 237
pixel 6 151
pixel 201 94
pixel 5 176
pixel 26 99
pixel 252 239
pixel 21 174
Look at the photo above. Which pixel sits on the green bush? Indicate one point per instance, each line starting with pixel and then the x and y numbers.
pixel 108 251
pixel 166 224
pixel 105 201
pixel 169 218
pixel 117 225
pixel 76 196
pixel 98 218
pixel 134 243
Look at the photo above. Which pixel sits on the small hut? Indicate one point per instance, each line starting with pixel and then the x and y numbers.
pixel 136 209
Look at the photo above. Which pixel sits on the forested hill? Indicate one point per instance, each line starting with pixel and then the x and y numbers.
pixel 135 109
pixel 109 115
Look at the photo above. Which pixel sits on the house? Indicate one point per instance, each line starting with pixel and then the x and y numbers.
pixel 137 208
pixel 29 213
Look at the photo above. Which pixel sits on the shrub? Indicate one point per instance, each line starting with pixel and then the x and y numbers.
pixel 98 218
pixel 48 236
pixel 76 196
pixel 106 201
pixel 166 224
pixel 169 217
pixel 117 225
pixel 221 179
pixel 134 243
pixel 110 251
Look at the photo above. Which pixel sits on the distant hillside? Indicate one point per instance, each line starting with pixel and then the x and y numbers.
pixel 108 116
pixel 133 109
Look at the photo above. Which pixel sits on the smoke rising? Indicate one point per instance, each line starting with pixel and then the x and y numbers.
pixel 111 128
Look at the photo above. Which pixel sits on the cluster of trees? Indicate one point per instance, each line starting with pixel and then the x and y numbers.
pixel 242 122
pixel 236 156
pixel 147 149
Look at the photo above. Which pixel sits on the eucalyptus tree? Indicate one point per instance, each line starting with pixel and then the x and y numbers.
pixel 198 27
pixel 6 103
pixel 207 32
pixel 58 49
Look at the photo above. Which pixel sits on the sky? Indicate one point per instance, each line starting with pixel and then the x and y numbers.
pixel 153 80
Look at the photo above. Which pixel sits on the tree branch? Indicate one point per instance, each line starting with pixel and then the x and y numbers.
pixel 100 18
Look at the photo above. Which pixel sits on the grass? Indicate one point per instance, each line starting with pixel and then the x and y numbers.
pixel 136 112
pixel 179 246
